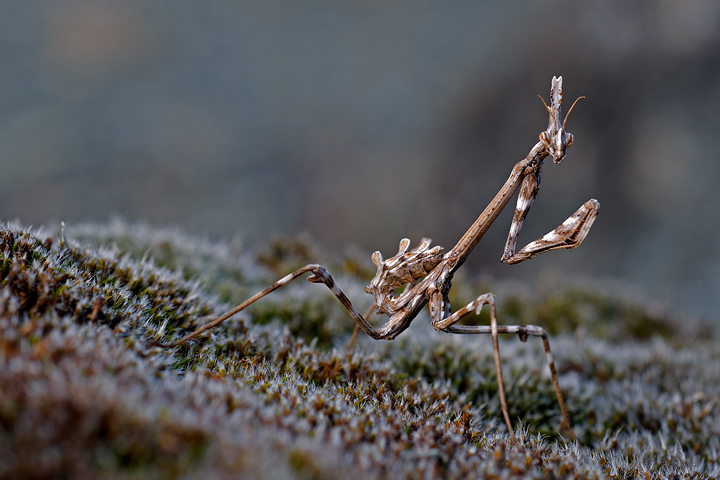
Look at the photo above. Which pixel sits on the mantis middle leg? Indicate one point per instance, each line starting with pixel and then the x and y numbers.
pixel 443 320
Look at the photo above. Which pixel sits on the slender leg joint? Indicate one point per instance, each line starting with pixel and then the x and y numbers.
pixel 523 333
pixel 320 275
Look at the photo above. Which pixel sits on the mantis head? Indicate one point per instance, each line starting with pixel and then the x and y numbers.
pixel 556 139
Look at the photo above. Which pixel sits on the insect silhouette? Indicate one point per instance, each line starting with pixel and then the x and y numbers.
pixel 426 273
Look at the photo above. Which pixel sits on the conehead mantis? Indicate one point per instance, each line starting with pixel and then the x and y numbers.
pixel 426 273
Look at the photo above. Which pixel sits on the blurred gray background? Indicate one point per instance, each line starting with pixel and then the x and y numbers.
pixel 365 121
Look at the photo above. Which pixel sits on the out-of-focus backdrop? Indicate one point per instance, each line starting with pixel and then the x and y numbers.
pixel 365 121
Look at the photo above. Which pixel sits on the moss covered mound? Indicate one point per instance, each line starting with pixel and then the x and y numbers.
pixel 274 393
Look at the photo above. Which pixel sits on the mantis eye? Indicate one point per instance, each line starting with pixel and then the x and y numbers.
pixel 569 139
pixel 545 138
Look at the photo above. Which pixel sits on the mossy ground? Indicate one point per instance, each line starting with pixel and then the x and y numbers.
pixel 273 392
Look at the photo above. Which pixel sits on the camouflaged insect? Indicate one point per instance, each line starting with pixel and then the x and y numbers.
pixel 427 272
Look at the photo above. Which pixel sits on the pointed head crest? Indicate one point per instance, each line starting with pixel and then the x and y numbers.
pixel 555 138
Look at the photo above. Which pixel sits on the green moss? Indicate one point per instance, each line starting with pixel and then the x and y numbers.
pixel 274 393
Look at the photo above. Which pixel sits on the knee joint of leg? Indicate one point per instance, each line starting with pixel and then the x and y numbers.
pixel 541 333
pixel 320 275
pixel 480 302
pixel 523 333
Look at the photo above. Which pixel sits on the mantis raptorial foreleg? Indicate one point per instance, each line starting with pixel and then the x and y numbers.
pixel 568 235
pixel 526 197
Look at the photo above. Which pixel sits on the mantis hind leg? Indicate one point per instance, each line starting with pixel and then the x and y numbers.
pixel 353 337
pixel 319 275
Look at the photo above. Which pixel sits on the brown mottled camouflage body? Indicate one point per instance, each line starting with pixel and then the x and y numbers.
pixel 425 273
